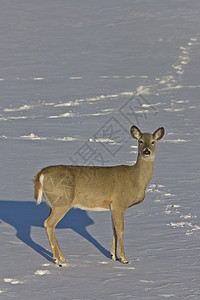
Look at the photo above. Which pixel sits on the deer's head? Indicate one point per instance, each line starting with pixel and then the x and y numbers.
pixel 147 142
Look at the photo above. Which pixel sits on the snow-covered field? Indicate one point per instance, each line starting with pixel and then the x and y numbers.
pixel 74 77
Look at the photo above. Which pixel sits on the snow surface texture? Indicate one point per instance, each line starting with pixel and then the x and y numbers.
pixel 75 76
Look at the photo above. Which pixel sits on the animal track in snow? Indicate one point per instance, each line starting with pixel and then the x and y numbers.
pixel 42 272
pixel 13 281
pixel 169 82
pixel 159 191
pixel 185 221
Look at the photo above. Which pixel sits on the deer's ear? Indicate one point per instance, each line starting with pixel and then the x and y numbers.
pixel 135 132
pixel 159 133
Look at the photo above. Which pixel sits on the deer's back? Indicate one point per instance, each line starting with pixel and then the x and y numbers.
pixel 89 187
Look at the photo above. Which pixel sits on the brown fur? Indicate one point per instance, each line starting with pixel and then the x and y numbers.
pixel 98 188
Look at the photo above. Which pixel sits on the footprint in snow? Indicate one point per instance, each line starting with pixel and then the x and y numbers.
pixel 42 272
pixel 13 281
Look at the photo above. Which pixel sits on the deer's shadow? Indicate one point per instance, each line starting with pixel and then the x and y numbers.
pixel 22 215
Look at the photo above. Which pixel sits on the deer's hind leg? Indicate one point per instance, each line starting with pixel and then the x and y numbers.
pixel 56 214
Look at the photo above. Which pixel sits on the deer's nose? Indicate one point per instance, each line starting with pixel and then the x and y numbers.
pixel 146 152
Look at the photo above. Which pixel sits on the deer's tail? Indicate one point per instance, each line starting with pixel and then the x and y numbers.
pixel 38 190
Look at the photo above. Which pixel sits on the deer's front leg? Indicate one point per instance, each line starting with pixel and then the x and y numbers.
pixel 113 251
pixel 118 221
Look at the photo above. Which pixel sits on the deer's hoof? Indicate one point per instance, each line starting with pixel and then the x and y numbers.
pixel 114 257
pixel 124 260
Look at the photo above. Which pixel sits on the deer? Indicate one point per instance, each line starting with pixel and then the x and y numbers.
pixel 97 188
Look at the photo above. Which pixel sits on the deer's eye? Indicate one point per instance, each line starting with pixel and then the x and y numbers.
pixel 141 142
pixel 153 142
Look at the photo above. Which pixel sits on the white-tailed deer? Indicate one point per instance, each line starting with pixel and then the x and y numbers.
pixel 97 188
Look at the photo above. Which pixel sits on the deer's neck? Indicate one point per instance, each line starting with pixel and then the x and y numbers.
pixel 144 170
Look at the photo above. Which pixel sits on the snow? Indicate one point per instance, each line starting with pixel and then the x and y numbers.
pixel 70 72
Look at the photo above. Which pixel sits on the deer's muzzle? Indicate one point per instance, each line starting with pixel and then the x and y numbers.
pixel 146 152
